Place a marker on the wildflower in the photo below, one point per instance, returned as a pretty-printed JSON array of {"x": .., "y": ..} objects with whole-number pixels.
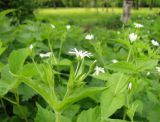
[
  {"x": 148, "y": 73},
  {"x": 118, "y": 32},
  {"x": 137, "y": 25},
  {"x": 31, "y": 47},
  {"x": 52, "y": 26},
  {"x": 80, "y": 54},
  {"x": 130, "y": 86},
  {"x": 155, "y": 43},
  {"x": 158, "y": 69},
  {"x": 89, "y": 37},
  {"x": 98, "y": 70},
  {"x": 114, "y": 61},
  {"x": 132, "y": 37},
  {"x": 44, "y": 55},
  {"x": 68, "y": 27}
]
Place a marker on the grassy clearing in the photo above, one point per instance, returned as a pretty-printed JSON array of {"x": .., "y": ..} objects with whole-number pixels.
[{"x": 90, "y": 16}]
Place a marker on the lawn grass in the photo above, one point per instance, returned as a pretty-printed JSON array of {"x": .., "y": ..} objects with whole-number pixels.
[
  {"x": 87, "y": 12},
  {"x": 103, "y": 18}
]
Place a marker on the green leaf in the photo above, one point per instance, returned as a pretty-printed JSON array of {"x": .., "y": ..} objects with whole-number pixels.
[
  {"x": 2, "y": 49},
  {"x": 65, "y": 62},
  {"x": 26, "y": 92},
  {"x": 7, "y": 81},
  {"x": 17, "y": 59},
  {"x": 71, "y": 111},
  {"x": 117, "y": 82},
  {"x": 135, "y": 106},
  {"x": 113, "y": 98},
  {"x": 115, "y": 120},
  {"x": 29, "y": 70},
  {"x": 81, "y": 93},
  {"x": 21, "y": 111},
  {"x": 44, "y": 115},
  {"x": 143, "y": 65},
  {"x": 125, "y": 67},
  {"x": 110, "y": 103},
  {"x": 42, "y": 89},
  {"x": 91, "y": 115}
]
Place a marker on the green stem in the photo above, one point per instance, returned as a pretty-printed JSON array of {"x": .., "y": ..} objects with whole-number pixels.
[
  {"x": 3, "y": 105},
  {"x": 50, "y": 47},
  {"x": 60, "y": 50},
  {"x": 58, "y": 116},
  {"x": 128, "y": 57},
  {"x": 11, "y": 101},
  {"x": 129, "y": 54},
  {"x": 77, "y": 68},
  {"x": 37, "y": 67},
  {"x": 19, "y": 107}
]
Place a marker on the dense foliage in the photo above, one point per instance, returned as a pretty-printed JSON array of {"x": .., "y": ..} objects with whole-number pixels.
[{"x": 49, "y": 73}]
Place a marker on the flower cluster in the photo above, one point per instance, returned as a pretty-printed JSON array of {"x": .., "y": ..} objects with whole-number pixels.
[
  {"x": 132, "y": 37},
  {"x": 80, "y": 54},
  {"x": 137, "y": 25},
  {"x": 68, "y": 27},
  {"x": 45, "y": 55},
  {"x": 158, "y": 69},
  {"x": 89, "y": 37},
  {"x": 52, "y": 26},
  {"x": 154, "y": 43}
]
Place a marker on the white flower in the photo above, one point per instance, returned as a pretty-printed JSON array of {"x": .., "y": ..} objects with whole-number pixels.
[
  {"x": 98, "y": 70},
  {"x": 52, "y": 26},
  {"x": 137, "y": 25},
  {"x": 114, "y": 61},
  {"x": 45, "y": 55},
  {"x": 31, "y": 47},
  {"x": 80, "y": 54},
  {"x": 158, "y": 69},
  {"x": 89, "y": 37},
  {"x": 132, "y": 37},
  {"x": 68, "y": 27},
  {"x": 118, "y": 32},
  {"x": 148, "y": 73},
  {"x": 130, "y": 86},
  {"x": 155, "y": 43}
]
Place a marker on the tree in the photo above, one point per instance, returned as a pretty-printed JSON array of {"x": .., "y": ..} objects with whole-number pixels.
[{"x": 127, "y": 4}]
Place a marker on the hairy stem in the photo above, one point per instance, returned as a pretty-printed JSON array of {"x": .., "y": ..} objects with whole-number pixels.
[{"x": 58, "y": 117}]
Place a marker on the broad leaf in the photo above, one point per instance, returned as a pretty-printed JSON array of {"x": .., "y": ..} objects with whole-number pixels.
[
  {"x": 17, "y": 59},
  {"x": 7, "y": 81},
  {"x": 91, "y": 115},
  {"x": 113, "y": 98},
  {"x": 44, "y": 115},
  {"x": 110, "y": 103},
  {"x": 125, "y": 67},
  {"x": 81, "y": 93}
]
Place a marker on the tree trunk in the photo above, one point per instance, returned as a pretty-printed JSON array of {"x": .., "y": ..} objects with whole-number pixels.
[
  {"x": 127, "y": 4},
  {"x": 151, "y": 4},
  {"x": 136, "y": 4},
  {"x": 54, "y": 3}
]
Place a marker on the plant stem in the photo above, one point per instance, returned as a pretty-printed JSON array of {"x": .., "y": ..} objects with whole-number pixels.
[
  {"x": 129, "y": 54},
  {"x": 11, "y": 101},
  {"x": 3, "y": 105},
  {"x": 60, "y": 50},
  {"x": 58, "y": 116},
  {"x": 19, "y": 107},
  {"x": 50, "y": 47},
  {"x": 128, "y": 57},
  {"x": 77, "y": 68}
]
